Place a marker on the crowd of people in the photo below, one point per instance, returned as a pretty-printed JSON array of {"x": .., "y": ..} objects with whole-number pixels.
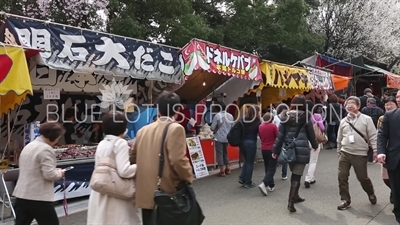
[{"x": 290, "y": 134}]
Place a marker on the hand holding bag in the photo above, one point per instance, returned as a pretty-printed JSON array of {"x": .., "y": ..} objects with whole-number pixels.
[
  {"x": 288, "y": 153},
  {"x": 106, "y": 180},
  {"x": 181, "y": 207}
]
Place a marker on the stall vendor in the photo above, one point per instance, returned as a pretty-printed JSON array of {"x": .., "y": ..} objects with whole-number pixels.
[
  {"x": 95, "y": 135},
  {"x": 184, "y": 120},
  {"x": 68, "y": 123}
]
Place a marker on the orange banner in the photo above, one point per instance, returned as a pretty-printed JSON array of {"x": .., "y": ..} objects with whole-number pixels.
[
  {"x": 340, "y": 82},
  {"x": 392, "y": 81}
]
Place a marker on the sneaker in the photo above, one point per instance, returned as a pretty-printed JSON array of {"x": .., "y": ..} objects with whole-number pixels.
[
  {"x": 271, "y": 189},
  {"x": 284, "y": 178},
  {"x": 344, "y": 205},
  {"x": 263, "y": 189},
  {"x": 372, "y": 199},
  {"x": 241, "y": 182},
  {"x": 248, "y": 186},
  {"x": 307, "y": 184}
]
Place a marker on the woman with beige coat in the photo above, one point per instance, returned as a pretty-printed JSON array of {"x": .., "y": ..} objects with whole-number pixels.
[{"x": 104, "y": 209}]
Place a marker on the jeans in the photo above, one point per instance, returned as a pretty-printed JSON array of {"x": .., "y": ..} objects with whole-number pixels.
[
  {"x": 270, "y": 168},
  {"x": 284, "y": 170},
  {"x": 248, "y": 149},
  {"x": 332, "y": 134}
]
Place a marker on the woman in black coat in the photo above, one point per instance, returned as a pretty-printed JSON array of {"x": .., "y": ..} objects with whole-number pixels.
[{"x": 297, "y": 117}]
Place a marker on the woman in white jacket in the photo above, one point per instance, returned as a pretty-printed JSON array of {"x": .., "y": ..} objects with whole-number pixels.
[{"x": 104, "y": 209}]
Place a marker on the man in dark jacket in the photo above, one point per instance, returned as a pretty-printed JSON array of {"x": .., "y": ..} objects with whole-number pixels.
[
  {"x": 296, "y": 120},
  {"x": 388, "y": 144},
  {"x": 372, "y": 110},
  {"x": 368, "y": 94}
]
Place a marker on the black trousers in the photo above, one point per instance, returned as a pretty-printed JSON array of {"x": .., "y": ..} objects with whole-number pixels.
[
  {"x": 394, "y": 178},
  {"x": 27, "y": 210},
  {"x": 269, "y": 167},
  {"x": 146, "y": 216}
]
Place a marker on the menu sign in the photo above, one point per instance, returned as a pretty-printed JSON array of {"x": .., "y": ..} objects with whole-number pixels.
[
  {"x": 197, "y": 157},
  {"x": 219, "y": 59},
  {"x": 321, "y": 79}
]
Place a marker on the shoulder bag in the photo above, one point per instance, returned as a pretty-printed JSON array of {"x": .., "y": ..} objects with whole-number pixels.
[
  {"x": 106, "y": 180},
  {"x": 370, "y": 149},
  {"x": 319, "y": 135},
  {"x": 288, "y": 152},
  {"x": 180, "y": 207}
]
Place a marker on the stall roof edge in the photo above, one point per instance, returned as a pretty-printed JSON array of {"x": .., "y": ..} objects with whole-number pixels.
[{"x": 200, "y": 40}]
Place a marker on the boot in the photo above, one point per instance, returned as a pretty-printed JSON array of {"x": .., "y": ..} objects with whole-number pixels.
[
  {"x": 292, "y": 196},
  {"x": 298, "y": 198}
]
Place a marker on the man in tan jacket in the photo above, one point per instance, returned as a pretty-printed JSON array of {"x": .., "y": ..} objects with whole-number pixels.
[
  {"x": 146, "y": 150},
  {"x": 356, "y": 132}
]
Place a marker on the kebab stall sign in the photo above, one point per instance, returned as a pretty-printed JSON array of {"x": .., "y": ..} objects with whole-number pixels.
[{"x": 218, "y": 59}]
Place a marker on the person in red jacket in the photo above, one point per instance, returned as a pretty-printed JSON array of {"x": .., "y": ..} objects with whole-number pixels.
[
  {"x": 268, "y": 132},
  {"x": 184, "y": 115}
]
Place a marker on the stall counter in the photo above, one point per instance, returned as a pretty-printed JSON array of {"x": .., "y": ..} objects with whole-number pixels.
[{"x": 208, "y": 146}]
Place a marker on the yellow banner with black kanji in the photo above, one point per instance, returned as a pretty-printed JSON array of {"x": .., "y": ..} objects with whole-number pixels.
[{"x": 286, "y": 77}]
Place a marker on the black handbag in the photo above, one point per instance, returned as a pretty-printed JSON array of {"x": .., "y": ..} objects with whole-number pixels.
[
  {"x": 288, "y": 152},
  {"x": 179, "y": 208}
]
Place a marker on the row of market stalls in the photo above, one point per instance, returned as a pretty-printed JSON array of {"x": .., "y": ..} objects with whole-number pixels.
[
  {"x": 73, "y": 67},
  {"x": 362, "y": 72}
]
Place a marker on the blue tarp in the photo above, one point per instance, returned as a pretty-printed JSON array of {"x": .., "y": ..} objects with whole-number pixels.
[{"x": 334, "y": 61}]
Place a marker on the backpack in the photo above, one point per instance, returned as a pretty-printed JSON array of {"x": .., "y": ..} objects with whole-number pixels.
[{"x": 235, "y": 135}]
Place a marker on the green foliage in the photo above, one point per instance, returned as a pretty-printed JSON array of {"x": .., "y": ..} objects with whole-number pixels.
[{"x": 277, "y": 31}]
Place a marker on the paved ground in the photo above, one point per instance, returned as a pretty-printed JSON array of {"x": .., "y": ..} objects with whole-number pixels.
[{"x": 225, "y": 203}]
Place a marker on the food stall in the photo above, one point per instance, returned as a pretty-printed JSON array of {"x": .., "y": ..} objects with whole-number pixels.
[
  {"x": 281, "y": 82},
  {"x": 206, "y": 66},
  {"x": 76, "y": 69}
]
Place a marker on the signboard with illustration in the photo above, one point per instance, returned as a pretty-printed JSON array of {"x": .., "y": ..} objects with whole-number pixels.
[
  {"x": 320, "y": 79},
  {"x": 286, "y": 77},
  {"x": 88, "y": 52},
  {"x": 197, "y": 157},
  {"x": 218, "y": 59}
]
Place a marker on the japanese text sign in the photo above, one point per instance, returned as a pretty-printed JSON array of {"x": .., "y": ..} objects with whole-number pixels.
[
  {"x": 218, "y": 59},
  {"x": 320, "y": 79},
  {"x": 197, "y": 157},
  {"x": 287, "y": 77},
  {"x": 51, "y": 93},
  {"x": 84, "y": 51}
]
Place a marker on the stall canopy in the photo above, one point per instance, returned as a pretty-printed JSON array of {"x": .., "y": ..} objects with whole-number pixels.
[
  {"x": 323, "y": 61},
  {"x": 87, "y": 52},
  {"x": 392, "y": 80},
  {"x": 281, "y": 82},
  {"x": 202, "y": 62},
  {"x": 15, "y": 83},
  {"x": 235, "y": 88}
]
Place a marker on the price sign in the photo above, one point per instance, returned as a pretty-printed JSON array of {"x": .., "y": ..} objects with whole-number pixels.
[{"x": 51, "y": 93}]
